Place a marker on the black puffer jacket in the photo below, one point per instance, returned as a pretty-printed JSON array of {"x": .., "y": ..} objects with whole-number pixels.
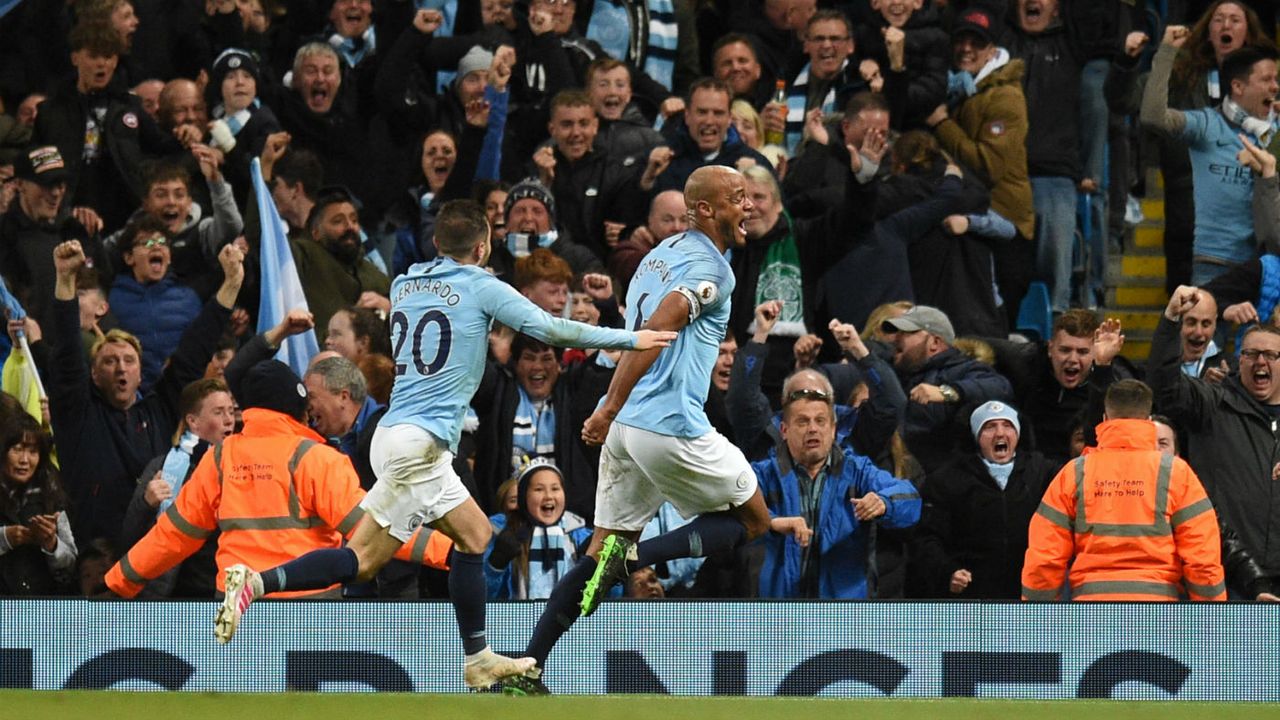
[
  {"x": 927, "y": 56},
  {"x": 969, "y": 523}
]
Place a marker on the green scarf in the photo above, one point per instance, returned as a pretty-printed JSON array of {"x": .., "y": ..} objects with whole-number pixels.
[{"x": 780, "y": 280}]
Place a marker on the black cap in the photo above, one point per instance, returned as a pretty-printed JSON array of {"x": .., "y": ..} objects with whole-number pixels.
[
  {"x": 976, "y": 21},
  {"x": 272, "y": 385},
  {"x": 42, "y": 165}
]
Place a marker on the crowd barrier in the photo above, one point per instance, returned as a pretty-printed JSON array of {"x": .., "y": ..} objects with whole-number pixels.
[{"x": 1009, "y": 650}]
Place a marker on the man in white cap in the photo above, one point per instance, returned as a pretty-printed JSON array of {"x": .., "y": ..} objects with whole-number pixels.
[
  {"x": 941, "y": 383},
  {"x": 973, "y": 532}
]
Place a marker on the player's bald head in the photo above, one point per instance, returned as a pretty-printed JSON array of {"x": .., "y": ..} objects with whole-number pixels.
[{"x": 706, "y": 183}]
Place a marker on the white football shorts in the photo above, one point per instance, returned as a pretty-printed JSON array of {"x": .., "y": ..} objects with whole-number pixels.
[
  {"x": 416, "y": 482},
  {"x": 639, "y": 470}
]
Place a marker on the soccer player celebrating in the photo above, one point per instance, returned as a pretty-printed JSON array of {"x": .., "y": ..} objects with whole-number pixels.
[
  {"x": 440, "y": 316},
  {"x": 658, "y": 443}
]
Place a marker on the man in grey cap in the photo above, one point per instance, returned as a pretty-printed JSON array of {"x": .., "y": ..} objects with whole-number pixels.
[
  {"x": 972, "y": 535},
  {"x": 940, "y": 382}
]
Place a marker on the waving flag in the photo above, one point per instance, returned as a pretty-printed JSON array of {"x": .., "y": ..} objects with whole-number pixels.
[
  {"x": 281, "y": 288},
  {"x": 19, "y": 377},
  {"x": 7, "y": 5}
]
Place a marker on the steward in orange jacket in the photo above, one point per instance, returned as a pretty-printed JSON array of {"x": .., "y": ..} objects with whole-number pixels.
[
  {"x": 1137, "y": 522},
  {"x": 276, "y": 492}
]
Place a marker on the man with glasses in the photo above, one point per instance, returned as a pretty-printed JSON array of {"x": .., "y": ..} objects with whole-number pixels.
[
  {"x": 826, "y": 82},
  {"x": 1230, "y": 427},
  {"x": 195, "y": 237},
  {"x": 147, "y": 299},
  {"x": 823, "y": 499}
]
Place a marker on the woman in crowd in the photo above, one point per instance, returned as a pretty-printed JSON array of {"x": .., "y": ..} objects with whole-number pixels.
[
  {"x": 356, "y": 332},
  {"x": 37, "y": 552}
]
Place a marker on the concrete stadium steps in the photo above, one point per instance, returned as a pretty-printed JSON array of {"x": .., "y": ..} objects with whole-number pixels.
[{"x": 1135, "y": 279}]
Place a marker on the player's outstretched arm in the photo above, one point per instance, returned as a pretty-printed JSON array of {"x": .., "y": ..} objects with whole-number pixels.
[
  {"x": 520, "y": 314},
  {"x": 654, "y": 339},
  {"x": 670, "y": 317}
]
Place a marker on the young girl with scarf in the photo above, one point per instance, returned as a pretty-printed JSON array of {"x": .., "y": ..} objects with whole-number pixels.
[{"x": 535, "y": 544}]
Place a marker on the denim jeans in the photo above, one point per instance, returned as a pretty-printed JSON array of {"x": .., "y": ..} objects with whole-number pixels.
[
  {"x": 1203, "y": 272},
  {"x": 1055, "y": 203},
  {"x": 1093, "y": 150}
]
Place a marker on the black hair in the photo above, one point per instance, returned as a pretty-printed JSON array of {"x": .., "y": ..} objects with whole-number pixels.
[
  {"x": 1238, "y": 65},
  {"x": 301, "y": 166},
  {"x": 42, "y": 494}
]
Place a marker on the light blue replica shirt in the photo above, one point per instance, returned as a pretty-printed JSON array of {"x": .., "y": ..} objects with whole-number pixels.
[
  {"x": 441, "y": 311},
  {"x": 1223, "y": 187},
  {"x": 669, "y": 398}
]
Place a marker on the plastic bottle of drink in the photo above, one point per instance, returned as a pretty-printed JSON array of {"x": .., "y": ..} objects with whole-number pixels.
[{"x": 777, "y": 137}]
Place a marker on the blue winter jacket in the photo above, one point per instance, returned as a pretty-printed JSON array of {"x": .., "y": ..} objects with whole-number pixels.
[
  {"x": 156, "y": 314},
  {"x": 840, "y": 539},
  {"x": 504, "y": 584}
]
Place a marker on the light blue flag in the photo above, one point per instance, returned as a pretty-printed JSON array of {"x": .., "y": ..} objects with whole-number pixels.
[
  {"x": 7, "y": 5},
  {"x": 10, "y": 303},
  {"x": 281, "y": 288},
  {"x": 9, "y": 306}
]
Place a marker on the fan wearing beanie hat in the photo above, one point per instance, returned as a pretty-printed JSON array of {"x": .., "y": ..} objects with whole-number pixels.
[
  {"x": 972, "y": 537},
  {"x": 473, "y": 77},
  {"x": 272, "y": 385},
  {"x": 239, "y": 118},
  {"x": 477, "y": 59},
  {"x": 996, "y": 428},
  {"x": 530, "y": 211},
  {"x": 537, "y": 543}
]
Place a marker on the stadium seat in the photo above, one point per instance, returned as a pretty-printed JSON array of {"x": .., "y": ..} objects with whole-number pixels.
[{"x": 1035, "y": 315}]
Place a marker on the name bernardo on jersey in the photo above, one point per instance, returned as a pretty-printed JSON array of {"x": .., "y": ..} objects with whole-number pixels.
[{"x": 427, "y": 285}]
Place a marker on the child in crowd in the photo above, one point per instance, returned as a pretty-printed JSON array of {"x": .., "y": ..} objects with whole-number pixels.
[{"x": 535, "y": 544}]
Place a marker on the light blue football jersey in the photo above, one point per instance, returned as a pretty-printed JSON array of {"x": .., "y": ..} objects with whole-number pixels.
[
  {"x": 441, "y": 311},
  {"x": 669, "y": 398}
]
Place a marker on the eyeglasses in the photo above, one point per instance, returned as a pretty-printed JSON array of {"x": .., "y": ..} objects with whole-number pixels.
[
  {"x": 820, "y": 395},
  {"x": 1253, "y": 355},
  {"x": 157, "y": 241}
]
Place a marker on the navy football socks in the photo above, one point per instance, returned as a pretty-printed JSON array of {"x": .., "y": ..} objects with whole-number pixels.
[
  {"x": 467, "y": 592},
  {"x": 705, "y": 535},
  {"x": 316, "y": 570},
  {"x": 561, "y": 611}
]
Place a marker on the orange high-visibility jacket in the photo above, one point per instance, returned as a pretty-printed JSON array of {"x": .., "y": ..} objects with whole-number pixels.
[
  {"x": 276, "y": 492},
  {"x": 1137, "y": 522}
]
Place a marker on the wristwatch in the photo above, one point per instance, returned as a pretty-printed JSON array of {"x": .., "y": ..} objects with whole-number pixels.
[{"x": 949, "y": 393}]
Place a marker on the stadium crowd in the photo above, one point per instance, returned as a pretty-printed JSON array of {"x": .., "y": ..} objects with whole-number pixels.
[{"x": 914, "y": 166}]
